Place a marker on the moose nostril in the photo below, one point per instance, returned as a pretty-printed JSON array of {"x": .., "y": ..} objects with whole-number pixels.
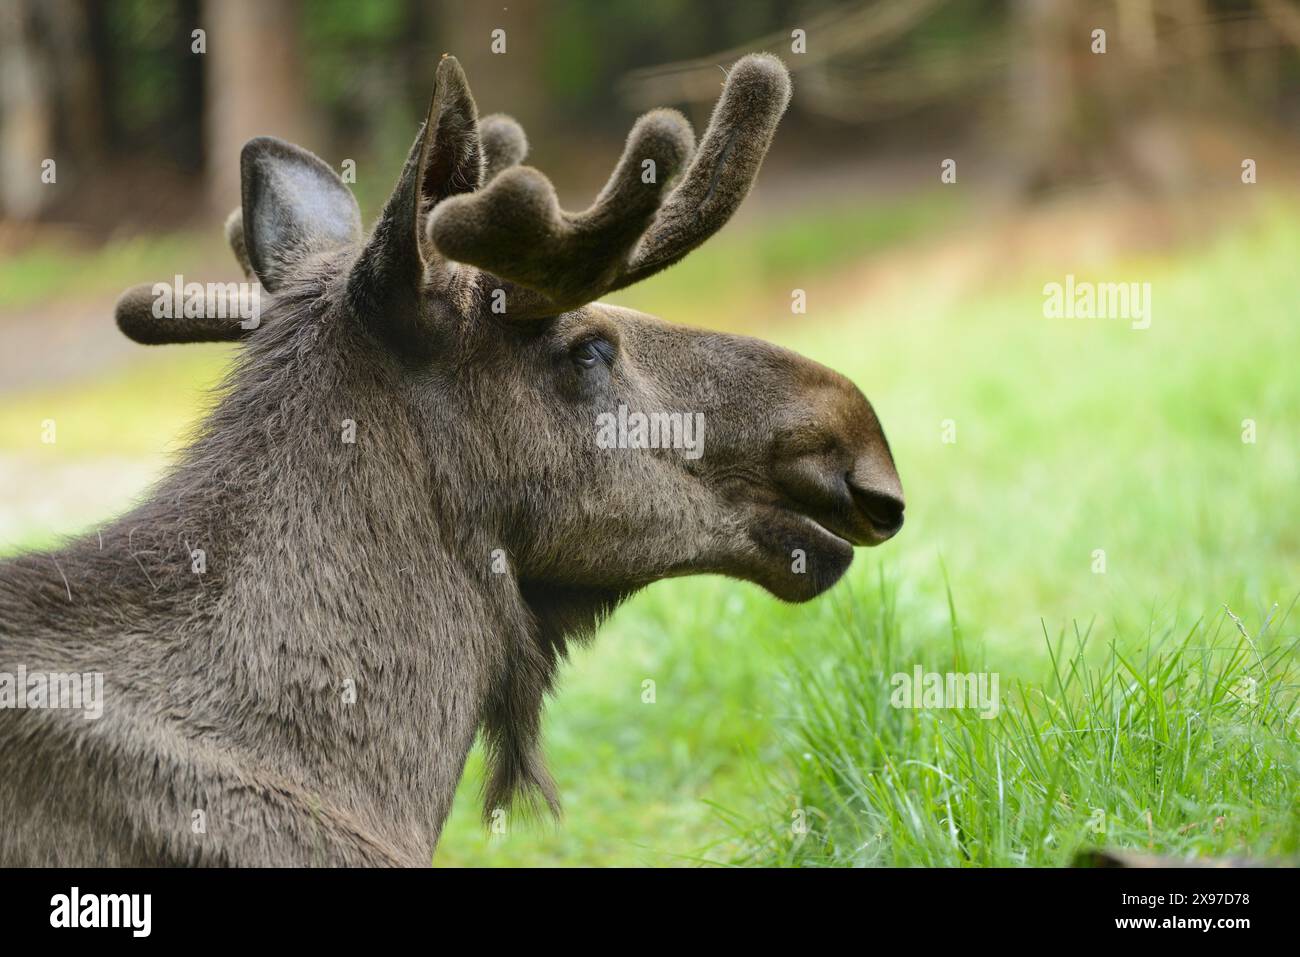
[{"x": 883, "y": 510}]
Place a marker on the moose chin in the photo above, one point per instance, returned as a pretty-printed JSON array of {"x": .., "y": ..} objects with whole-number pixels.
[{"x": 397, "y": 517}]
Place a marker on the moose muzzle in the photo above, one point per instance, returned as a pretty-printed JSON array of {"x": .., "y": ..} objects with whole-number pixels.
[{"x": 836, "y": 468}]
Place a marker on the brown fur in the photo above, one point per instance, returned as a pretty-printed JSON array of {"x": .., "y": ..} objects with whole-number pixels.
[{"x": 380, "y": 563}]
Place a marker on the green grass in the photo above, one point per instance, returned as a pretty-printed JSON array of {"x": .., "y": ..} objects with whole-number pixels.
[
  {"x": 54, "y": 268},
  {"x": 1072, "y": 436},
  {"x": 1181, "y": 742},
  {"x": 114, "y": 435},
  {"x": 1126, "y": 690}
]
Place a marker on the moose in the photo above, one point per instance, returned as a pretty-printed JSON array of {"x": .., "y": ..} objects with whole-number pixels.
[{"x": 436, "y": 566}]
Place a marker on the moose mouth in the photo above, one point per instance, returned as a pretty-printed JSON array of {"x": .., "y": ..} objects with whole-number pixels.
[
  {"x": 860, "y": 527},
  {"x": 799, "y": 555},
  {"x": 805, "y": 547},
  {"x": 820, "y": 530}
]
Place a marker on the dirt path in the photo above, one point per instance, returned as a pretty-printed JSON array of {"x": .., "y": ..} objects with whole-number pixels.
[
  {"x": 58, "y": 343},
  {"x": 45, "y": 499}
]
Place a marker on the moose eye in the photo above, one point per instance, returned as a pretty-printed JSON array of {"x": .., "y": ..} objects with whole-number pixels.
[{"x": 588, "y": 353}]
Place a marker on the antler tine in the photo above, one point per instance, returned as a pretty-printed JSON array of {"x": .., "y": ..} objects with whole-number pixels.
[
  {"x": 740, "y": 131},
  {"x": 135, "y": 317},
  {"x": 504, "y": 144},
  {"x": 515, "y": 229},
  {"x": 135, "y": 307}
]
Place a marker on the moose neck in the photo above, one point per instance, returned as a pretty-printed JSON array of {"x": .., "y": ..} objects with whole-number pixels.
[
  {"x": 316, "y": 599},
  {"x": 317, "y": 594},
  {"x": 361, "y": 623}
]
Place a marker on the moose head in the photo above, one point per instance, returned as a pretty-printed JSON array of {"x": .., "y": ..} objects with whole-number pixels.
[
  {"x": 464, "y": 337},
  {"x": 480, "y": 292}
]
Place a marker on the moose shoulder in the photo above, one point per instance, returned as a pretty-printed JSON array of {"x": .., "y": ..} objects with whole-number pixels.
[{"x": 402, "y": 509}]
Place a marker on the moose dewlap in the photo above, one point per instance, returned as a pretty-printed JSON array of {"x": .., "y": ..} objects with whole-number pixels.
[{"x": 401, "y": 505}]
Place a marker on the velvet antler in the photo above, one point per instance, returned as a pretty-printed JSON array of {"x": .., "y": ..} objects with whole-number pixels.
[
  {"x": 480, "y": 208},
  {"x": 296, "y": 204},
  {"x": 136, "y": 318},
  {"x": 553, "y": 260}
]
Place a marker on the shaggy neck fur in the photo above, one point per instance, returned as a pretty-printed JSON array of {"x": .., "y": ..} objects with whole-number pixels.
[{"x": 333, "y": 570}]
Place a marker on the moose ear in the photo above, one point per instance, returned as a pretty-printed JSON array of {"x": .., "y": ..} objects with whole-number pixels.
[
  {"x": 235, "y": 237},
  {"x": 294, "y": 205},
  {"x": 445, "y": 160},
  {"x": 453, "y": 153}
]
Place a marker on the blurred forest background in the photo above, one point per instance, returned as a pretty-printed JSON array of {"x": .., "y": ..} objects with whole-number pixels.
[
  {"x": 1162, "y": 149},
  {"x": 146, "y": 130}
]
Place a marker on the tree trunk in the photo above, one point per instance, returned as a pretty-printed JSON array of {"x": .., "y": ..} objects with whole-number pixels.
[
  {"x": 255, "y": 85},
  {"x": 26, "y": 115}
]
